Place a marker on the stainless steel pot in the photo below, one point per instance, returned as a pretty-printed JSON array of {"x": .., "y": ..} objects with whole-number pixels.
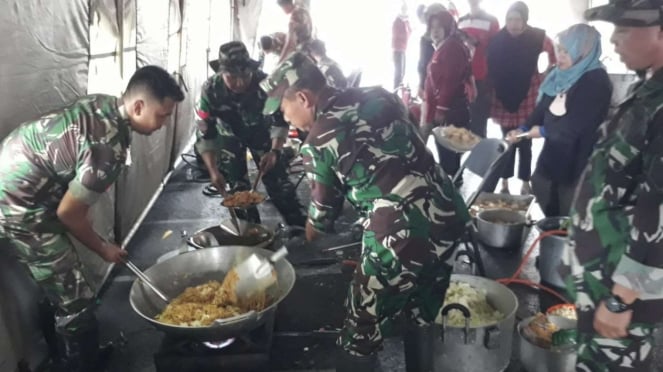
[
  {"x": 255, "y": 235},
  {"x": 176, "y": 274},
  {"x": 445, "y": 348},
  {"x": 537, "y": 359},
  {"x": 501, "y": 228},
  {"x": 552, "y": 249}
]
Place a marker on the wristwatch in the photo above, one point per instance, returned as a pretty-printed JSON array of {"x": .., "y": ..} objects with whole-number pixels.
[{"x": 616, "y": 305}]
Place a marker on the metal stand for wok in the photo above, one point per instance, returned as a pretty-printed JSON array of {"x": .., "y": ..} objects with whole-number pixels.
[
  {"x": 246, "y": 353},
  {"x": 485, "y": 160}
]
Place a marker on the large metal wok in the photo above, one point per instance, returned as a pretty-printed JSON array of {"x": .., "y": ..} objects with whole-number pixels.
[{"x": 189, "y": 269}]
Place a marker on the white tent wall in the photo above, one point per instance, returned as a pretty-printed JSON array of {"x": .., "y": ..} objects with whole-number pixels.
[{"x": 53, "y": 51}]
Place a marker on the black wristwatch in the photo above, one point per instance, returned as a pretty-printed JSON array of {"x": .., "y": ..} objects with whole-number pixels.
[{"x": 616, "y": 305}]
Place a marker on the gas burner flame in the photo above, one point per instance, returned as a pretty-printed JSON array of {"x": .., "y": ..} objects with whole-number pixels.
[{"x": 219, "y": 344}]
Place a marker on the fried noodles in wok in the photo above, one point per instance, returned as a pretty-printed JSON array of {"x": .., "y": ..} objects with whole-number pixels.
[
  {"x": 242, "y": 199},
  {"x": 201, "y": 305}
]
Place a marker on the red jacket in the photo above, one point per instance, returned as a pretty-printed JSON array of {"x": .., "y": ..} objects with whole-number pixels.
[
  {"x": 449, "y": 74},
  {"x": 481, "y": 28},
  {"x": 400, "y": 33}
]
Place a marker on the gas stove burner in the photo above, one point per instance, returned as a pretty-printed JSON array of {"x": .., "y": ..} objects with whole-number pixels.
[{"x": 219, "y": 344}]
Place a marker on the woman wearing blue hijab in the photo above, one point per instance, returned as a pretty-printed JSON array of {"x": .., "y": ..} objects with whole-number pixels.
[{"x": 573, "y": 101}]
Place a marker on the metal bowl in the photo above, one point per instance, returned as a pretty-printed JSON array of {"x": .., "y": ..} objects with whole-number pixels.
[
  {"x": 255, "y": 235},
  {"x": 537, "y": 359},
  {"x": 501, "y": 228},
  {"x": 174, "y": 275}
]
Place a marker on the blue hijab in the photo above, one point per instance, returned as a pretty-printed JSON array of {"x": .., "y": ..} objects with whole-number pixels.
[{"x": 583, "y": 44}]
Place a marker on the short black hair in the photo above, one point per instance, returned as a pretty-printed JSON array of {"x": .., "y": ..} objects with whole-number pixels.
[
  {"x": 318, "y": 47},
  {"x": 285, "y": 2},
  {"x": 266, "y": 42},
  {"x": 157, "y": 82}
]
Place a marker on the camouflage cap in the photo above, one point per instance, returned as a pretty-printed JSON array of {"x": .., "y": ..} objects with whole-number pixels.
[
  {"x": 285, "y": 75},
  {"x": 233, "y": 58},
  {"x": 629, "y": 13}
]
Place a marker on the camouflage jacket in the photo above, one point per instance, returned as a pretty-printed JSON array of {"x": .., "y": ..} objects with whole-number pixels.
[
  {"x": 80, "y": 149},
  {"x": 363, "y": 147},
  {"x": 219, "y": 111},
  {"x": 301, "y": 25},
  {"x": 617, "y": 221},
  {"x": 333, "y": 73}
]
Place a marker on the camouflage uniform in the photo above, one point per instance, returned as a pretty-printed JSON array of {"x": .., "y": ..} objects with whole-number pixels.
[
  {"x": 229, "y": 124},
  {"x": 363, "y": 147},
  {"x": 333, "y": 73},
  {"x": 81, "y": 149},
  {"x": 615, "y": 235},
  {"x": 301, "y": 25}
]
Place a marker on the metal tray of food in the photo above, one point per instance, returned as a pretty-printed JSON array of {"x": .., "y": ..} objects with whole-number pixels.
[
  {"x": 455, "y": 139},
  {"x": 486, "y": 200}
]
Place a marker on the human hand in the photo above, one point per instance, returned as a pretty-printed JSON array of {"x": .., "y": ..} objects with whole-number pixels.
[
  {"x": 112, "y": 253},
  {"x": 311, "y": 232},
  {"x": 216, "y": 178},
  {"x": 268, "y": 161},
  {"x": 512, "y": 136},
  {"x": 612, "y": 325}
]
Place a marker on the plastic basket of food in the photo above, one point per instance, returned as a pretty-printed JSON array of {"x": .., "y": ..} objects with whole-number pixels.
[
  {"x": 455, "y": 138},
  {"x": 488, "y": 201}
]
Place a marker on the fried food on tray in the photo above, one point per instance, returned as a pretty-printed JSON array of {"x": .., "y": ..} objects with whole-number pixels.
[
  {"x": 242, "y": 199},
  {"x": 460, "y": 136},
  {"x": 564, "y": 310},
  {"x": 540, "y": 331},
  {"x": 201, "y": 305}
]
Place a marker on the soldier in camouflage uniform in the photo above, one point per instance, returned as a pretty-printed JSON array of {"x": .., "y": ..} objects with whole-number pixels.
[
  {"x": 230, "y": 121},
  {"x": 361, "y": 146},
  {"x": 615, "y": 264},
  {"x": 329, "y": 68},
  {"x": 300, "y": 28},
  {"x": 52, "y": 170}
]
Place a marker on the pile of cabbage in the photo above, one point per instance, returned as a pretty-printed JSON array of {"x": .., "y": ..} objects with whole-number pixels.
[{"x": 482, "y": 313}]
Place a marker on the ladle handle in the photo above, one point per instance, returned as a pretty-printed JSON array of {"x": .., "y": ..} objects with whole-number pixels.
[
  {"x": 255, "y": 183},
  {"x": 279, "y": 255},
  {"x": 145, "y": 279}
]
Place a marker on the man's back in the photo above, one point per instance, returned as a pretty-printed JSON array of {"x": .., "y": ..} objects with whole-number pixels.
[
  {"x": 366, "y": 136},
  {"x": 81, "y": 148}
]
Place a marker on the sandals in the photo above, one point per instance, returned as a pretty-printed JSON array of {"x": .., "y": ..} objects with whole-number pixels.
[{"x": 210, "y": 190}]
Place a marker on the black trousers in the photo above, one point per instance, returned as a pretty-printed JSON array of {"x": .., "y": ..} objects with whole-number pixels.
[
  {"x": 480, "y": 109},
  {"x": 524, "y": 149},
  {"x": 399, "y": 68}
]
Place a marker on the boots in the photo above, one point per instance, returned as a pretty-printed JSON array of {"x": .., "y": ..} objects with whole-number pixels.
[{"x": 346, "y": 362}]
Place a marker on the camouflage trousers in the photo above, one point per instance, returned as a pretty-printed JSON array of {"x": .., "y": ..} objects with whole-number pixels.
[
  {"x": 54, "y": 265},
  {"x": 405, "y": 268},
  {"x": 600, "y": 354},
  {"x": 233, "y": 166}
]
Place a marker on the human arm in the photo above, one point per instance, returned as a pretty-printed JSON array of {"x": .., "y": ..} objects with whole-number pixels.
[
  {"x": 326, "y": 189},
  {"x": 278, "y": 132},
  {"x": 208, "y": 133},
  {"x": 73, "y": 212},
  {"x": 97, "y": 168}
]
